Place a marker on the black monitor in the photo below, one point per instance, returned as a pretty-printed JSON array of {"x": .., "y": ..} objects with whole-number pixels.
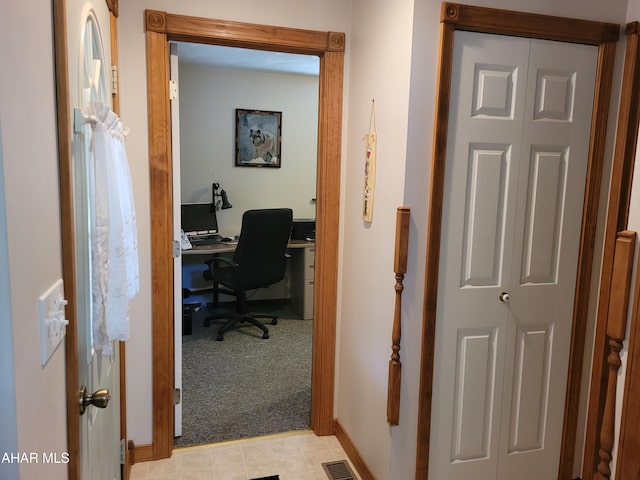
[{"x": 199, "y": 218}]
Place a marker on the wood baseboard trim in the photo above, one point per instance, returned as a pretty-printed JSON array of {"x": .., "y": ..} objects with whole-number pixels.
[
  {"x": 352, "y": 452},
  {"x": 140, "y": 453}
]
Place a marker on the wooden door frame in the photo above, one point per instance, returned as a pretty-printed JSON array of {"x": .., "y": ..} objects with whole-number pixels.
[
  {"x": 617, "y": 220},
  {"x": 160, "y": 28},
  {"x": 487, "y": 20},
  {"x": 67, "y": 223}
]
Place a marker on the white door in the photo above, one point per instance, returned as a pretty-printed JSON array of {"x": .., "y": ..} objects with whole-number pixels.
[
  {"x": 520, "y": 120},
  {"x": 177, "y": 260},
  {"x": 88, "y": 38}
]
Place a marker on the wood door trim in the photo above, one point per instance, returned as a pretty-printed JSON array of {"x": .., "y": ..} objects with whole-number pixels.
[
  {"x": 463, "y": 17},
  {"x": 68, "y": 234},
  {"x": 617, "y": 219},
  {"x": 530, "y": 25},
  {"x": 162, "y": 27},
  {"x": 628, "y": 462}
]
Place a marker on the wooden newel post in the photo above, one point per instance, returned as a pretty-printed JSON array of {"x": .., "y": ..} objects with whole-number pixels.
[
  {"x": 400, "y": 267},
  {"x": 616, "y": 329}
]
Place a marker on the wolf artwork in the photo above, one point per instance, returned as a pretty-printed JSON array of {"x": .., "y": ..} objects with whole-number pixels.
[{"x": 264, "y": 145}]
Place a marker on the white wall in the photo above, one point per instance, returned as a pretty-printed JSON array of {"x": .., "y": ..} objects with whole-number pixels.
[
  {"x": 392, "y": 51},
  {"x": 8, "y": 426},
  {"x": 380, "y": 40},
  {"x": 33, "y": 245},
  {"x": 330, "y": 15},
  {"x": 379, "y": 69},
  {"x": 208, "y": 99}
]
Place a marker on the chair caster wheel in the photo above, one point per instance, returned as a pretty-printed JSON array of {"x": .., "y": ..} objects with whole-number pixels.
[
  {"x": 274, "y": 321},
  {"x": 265, "y": 335},
  {"x": 219, "y": 338}
]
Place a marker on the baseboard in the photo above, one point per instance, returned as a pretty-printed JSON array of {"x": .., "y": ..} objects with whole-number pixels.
[
  {"x": 140, "y": 453},
  {"x": 352, "y": 452}
]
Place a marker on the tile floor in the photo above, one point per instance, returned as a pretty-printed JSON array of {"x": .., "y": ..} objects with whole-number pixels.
[{"x": 293, "y": 456}]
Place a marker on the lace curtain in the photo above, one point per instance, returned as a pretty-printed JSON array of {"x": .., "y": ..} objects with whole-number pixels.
[{"x": 114, "y": 250}]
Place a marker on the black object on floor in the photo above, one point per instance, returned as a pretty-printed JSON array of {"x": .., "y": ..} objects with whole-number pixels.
[{"x": 272, "y": 477}]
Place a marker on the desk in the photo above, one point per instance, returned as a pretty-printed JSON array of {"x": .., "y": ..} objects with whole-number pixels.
[{"x": 302, "y": 270}]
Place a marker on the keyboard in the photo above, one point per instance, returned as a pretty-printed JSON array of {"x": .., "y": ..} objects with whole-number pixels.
[{"x": 205, "y": 240}]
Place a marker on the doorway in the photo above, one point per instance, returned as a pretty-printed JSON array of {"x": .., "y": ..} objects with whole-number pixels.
[
  {"x": 161, "y": 27},
  {"x": 275, "y": 375},
  {"x": 462, "y": 17}
]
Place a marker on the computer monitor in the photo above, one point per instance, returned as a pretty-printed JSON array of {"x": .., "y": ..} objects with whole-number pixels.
[{"x": 199, "y": 218}]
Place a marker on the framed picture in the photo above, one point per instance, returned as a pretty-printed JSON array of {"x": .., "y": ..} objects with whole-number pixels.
[{"x": 258, "y": 136}]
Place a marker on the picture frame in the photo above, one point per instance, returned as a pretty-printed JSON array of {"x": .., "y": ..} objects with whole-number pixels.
[{"x": 258, "y": 138}]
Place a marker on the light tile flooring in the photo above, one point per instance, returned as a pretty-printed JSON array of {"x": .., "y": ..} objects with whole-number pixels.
[{"x": 293, "y": 456}]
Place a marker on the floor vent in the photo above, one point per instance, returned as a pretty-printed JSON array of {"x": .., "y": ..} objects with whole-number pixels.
[{"x": 338, "y": 470}]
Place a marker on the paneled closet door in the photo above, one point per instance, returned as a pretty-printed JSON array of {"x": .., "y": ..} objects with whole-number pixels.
[{"x": 514, "y": 187}]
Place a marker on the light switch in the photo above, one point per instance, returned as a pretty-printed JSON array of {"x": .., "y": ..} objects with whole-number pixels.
[{"x": 52, "y": 319}]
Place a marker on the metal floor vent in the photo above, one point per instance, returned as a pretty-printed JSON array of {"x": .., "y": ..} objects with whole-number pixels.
[{"x": 338, "y": 470}]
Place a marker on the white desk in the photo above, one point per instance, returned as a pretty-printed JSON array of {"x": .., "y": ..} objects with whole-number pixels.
[{"x": 302, "y": 270}]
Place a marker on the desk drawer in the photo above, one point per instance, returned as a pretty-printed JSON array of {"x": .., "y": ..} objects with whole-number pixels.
[
  {"x": 309, "y": 264},
  {"x": 308, "y": 301}
]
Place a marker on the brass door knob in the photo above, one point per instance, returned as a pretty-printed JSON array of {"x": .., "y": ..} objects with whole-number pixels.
[
  {"x": 504, "y": 297},
  {"x": 99, "y": 398}
]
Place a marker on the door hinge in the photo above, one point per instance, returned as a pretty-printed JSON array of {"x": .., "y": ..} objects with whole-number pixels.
[
  {"x": 114, "y": 79},
  {"x": 173, "y": 89},
  {"x": 176, "y": 249},
  {"x": 177, "y": 396},
  {"x": 123, "y": 451}
]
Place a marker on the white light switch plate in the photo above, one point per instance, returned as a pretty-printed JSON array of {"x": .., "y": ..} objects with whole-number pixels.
[{"x": 52, "y": 319}]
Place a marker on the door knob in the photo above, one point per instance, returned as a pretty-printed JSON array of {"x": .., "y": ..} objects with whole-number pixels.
[
  {"x": 99, "y": 398},
  {"x": 504, "y": 297}
]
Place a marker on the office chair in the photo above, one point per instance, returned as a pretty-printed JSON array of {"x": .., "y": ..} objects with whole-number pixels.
[{"x": 258, "y": 261}]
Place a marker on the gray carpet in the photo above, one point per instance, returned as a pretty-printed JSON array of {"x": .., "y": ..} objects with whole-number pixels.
[{"x": 245, "y": 386}]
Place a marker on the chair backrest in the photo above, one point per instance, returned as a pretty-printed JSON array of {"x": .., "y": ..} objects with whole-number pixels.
[{"x": 261, "y": 249}]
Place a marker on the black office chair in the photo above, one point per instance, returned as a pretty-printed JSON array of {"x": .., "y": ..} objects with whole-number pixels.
[{"x": 258, "y": 261}]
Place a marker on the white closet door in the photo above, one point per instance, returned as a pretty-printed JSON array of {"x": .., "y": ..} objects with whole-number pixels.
[
  {"x": 505, "y": 177},
  {"x": 177, "y": 261},
  {"x": 554, "y": 157}
]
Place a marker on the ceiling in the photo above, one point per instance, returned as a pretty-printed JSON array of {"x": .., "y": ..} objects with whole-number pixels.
[{"x": 242, "y": 58}]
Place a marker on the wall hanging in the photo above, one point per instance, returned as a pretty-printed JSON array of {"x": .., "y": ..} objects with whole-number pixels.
[{"x": 258, "y": 138}]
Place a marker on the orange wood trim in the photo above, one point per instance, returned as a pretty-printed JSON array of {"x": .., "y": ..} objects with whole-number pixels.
[
  {"x": 158, "y": 26},
  {"x": 115, "y": 62},
  {"x": 403, "y": 217},
  {"x": 443, "y": 89},
  {"x": 628, "y": 462},
  {"x": 352, "y": 452},
  {"x": 521, "y": 24},
  {"x": 141, "y": 453},
  {"x": 616, "y": 330},
  {"x": 68, "y": 234},
  {"x": 113, "y": 7},
  {"x": 602, "y": 97},
  {"x": 617, "y": 214},
  {"x": 160, "y": 176},
  {"x": 155, "y": 21},
  {"x": 327, "y": 226},
  {"x": 479, "y": 19},
  {"x": 264, "y": 37},
  {"x": 621, "y": 284}
]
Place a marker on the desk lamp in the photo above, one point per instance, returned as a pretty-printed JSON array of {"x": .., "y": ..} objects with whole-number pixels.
[{"x": 224, "y": 199}]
